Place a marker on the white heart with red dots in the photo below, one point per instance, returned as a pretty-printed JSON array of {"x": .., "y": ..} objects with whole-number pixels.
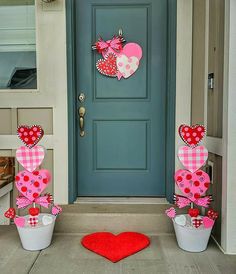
[
  {"x": 31, "y": 185},
  {"x": 127, "y": 65}
]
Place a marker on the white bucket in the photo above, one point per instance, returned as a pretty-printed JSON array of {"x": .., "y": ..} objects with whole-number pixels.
[
  {"x": 38, "y": 237},
  {"x": 190, "y": 238}
]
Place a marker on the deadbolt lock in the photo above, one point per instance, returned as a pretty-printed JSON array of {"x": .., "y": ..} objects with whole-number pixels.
[{"x": 81, "y": 97}]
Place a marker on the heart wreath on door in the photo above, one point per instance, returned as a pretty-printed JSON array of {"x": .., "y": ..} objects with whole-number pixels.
[{"x": 118, "y": 60}]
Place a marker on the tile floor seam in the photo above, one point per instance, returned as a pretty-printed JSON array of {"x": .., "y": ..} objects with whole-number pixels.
[{"x": 31, "y": 267}]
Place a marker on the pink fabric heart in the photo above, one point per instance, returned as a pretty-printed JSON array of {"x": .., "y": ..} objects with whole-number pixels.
[
  {"x": 193, "y": 158},
  {"x": 132, "y": 49},
  {"x": 171, "y": 212},
  {"x": 56, "y": 210},
  {"x": 208, "y": 222},
  {"x": 193, "y": 185},
  {"x": 31, "y": 185},
  {"x": 19, "y": 221},
  {"x": 30, "y": 158}
]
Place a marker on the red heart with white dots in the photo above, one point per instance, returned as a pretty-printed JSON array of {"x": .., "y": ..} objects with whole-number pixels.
[
  {"x": 30, "y": 135},
  {"x": 212, "y": 214},
  {"x": 108, "y": 65},
  {"x": 10, "y": 213},
  {"x": 193, "y": 185},
  {"x": 192, "y": 135},
  {"x": 31, "y": 185}
]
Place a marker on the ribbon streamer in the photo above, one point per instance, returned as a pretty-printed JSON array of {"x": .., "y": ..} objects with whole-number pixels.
[
  {"x": 103, "y": 46},
  {"x": 23, "y": 202},
  {"x": 182, "y": 201}
]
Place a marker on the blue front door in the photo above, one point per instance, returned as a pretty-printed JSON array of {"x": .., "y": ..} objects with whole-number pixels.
[{"x": 123, "y": 151}]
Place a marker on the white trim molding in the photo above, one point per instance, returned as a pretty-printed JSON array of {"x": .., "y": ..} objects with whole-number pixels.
[
  {"x": 183, "y": 68},
  {"x": 12, "y": 142},
  {"x": 229, "y": 132}
]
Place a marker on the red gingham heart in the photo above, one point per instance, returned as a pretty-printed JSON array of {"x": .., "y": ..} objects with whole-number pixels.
[
  {"x": 197, "y": 222},
  {"x": 33, "y": 220},
  {"x": 192, "y": 158},
  {"x": 30, "y": 158}
]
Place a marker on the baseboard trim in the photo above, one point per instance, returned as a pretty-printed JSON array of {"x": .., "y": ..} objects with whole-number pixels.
[
  {"x": 219, "y": 246},
  {"x": 120, "y": 200}
]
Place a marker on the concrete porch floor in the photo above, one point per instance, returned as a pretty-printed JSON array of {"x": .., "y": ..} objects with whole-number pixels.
[{"x": 66, "y": 255}]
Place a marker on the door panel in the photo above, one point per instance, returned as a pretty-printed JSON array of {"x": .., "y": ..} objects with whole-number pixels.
[
  {"x": 123, "y": 150},
  {"x": 121, "y": 16},
  {"x": 110, "y": 140}
]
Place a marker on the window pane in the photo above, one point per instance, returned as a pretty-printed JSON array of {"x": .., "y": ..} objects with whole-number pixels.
[{"x": 17, "y": 45}]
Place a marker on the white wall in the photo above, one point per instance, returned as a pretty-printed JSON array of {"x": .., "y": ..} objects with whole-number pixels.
[
  {"x": 183, "y": 69},
  {"x": 229, "y": 133},
  {"x": 52, "y": 90}
]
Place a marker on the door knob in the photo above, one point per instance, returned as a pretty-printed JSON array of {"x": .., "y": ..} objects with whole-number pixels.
[{"x": 81, "y": 120}]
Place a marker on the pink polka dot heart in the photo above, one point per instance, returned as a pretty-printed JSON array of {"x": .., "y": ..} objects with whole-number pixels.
[
  {"x": 192, "y": 185},
  {"x": 192, "y": 135},
  {"x": 32, "y": 184},
  {"x": 30, "y": 135},
  {"x": 127, "y": 65}
]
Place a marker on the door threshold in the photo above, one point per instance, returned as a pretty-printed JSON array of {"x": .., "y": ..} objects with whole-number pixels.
[{"x": 120, "y": 200}]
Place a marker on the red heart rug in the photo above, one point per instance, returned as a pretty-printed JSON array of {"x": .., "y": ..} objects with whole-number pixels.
[{"x": 115, "y": 247}]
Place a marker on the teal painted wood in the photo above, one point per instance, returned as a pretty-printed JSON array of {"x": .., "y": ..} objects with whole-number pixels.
[
  {"x": 171, "y": 99},
  {"x": 123, "y": 150},
  {"x": 71, "y": 94},
  {"x": 72, "y": 111}
]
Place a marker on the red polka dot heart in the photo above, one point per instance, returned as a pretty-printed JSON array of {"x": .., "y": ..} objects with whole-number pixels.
[
  {"x": 30, "y": 135},
  {"x": 107, "y": 66},
  {"x": 192, "y": 135},
  {"x": 31, "y": 185}
]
